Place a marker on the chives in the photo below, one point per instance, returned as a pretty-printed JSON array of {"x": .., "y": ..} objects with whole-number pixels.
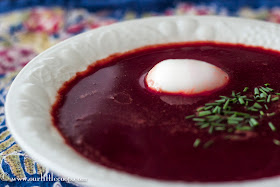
[
  {"x": 276, "y": 142},
  {"x": 218, "y": 124},
  {"x": 253, "y": 109},
  {"x": 224, "y": 97},
  {"x": 268, "y": 98},
  {"x": 233, "y": 122},
  {"x": 208, "y": 107},
  {"x": 249, "y": 99},
  {"x": 190, "y": 116},
  {"x": 220, "y": 101},
  {"x": 226, "y": 104},
  {"x": 256, "y": 90},
  {"x": 244, "y": 128},
  {"x": 272, "y": 126},
  {"x": 212, "y": 104},
  {"x": 209, "y": 143},
  {"x": 271, "y": 114},
  {"x": 262, "y": 96},
  {"x": 270, "y": 89},
  {"x": 254, "y": 121},
  {"x": 204, "y": 113},
  {"x": 213, "y": 118},
  {"x": 241, "y": 101},
  {"x": 257, "y": 105},
  {"x": 215, "y": 110},
  {"x": 204, "y": 126},
  {"x": 210, "y": 131},
  {"x": 241, "y": 114},
  {"x": 236, "y": 118},
  {"x": 275, "y": 99},
  {"x": 263, "y": 91},
  {"x": 196, "y": 142},
  {"x": 238, "y": 112},
  {"x": 219, "y": 110},
  {"x": 266, "y": 107},
  {"x": 199, "y": 119},
  {"x": 199, "y": 109},
  {"x": 220, "y": 128}
]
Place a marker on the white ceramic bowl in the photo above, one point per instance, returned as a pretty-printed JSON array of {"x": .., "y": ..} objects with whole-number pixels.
[{"x": 33, "y": 91}]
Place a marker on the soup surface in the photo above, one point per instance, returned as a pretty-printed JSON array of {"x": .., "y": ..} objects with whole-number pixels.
[{"x": 107, "y": 115}]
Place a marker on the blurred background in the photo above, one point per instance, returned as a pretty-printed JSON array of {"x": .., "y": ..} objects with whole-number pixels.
[{"x": 28, "y": 27}]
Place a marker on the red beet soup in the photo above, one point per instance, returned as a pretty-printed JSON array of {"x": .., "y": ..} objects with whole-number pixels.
[{"x": 107, "y": 115}]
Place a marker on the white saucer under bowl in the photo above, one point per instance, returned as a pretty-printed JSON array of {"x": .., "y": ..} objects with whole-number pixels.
[{"x": 34, "y": 90}]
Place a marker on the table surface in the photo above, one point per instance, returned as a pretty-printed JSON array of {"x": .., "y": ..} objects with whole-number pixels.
[{"x": 27, "y": 32}]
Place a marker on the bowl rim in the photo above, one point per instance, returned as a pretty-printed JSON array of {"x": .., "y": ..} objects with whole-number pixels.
[{"x": 203, "y": 28}]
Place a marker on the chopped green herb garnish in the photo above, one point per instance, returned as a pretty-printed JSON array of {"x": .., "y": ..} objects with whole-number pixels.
[
  {"x": 198, "y": 119},
  {"x": 220, "y": 128},
  {"x": 266, "y": 107},
  {"x": 210, "y": 131},
  {"x": 244, "y": 128},
  {"x": 271, "y": 114},
  {"x": 241, "y": 100},
  {"x": 253, "y": 109},
  {"x": 213, "y": 118},
  {"x": 253, "y": 121},
  {"x": 265, "y": 89},
  {"x": 232, "y": 122},
  {"x": 238, "y": 112},
  {"x": 208, "y": 107},
  {"x": 208, "y": 144},
  {"x": 275, "y": 99},
  {"x": 204, "y": 113},
  {"x": 264, "y": 92},
  {"x": 245, "y": 89},
  {"x": 205, "y": 125},
  {"x": 272, "y": 126},
  {"x": 268, "y": 98},
  {"x": 212, "y": 104},
  {"x": 215, "y": 110},
  {"x": 196, "y": 142},
  {"x": 226, "y": 104},
  {"x": 270, "y": 89},
  {"x": 257, "y": 105},
  {"x": 256, "y": 90},
  {"x": 220, "y": 101},
  {"x": 263, "y": 96},
  {"x": 241, "y": 114},
  {"x": 236, "y": 118},
  {"x": 190, "y": 116},
  {"x": 276, "y": 142},
  {"x": 200, "y": 109}
]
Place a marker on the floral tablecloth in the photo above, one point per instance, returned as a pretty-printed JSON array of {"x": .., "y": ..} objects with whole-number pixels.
[{"x": 25, "y": 33}]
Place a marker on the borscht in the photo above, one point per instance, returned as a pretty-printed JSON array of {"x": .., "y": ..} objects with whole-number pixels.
[{"x": 109, "y": 115}]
